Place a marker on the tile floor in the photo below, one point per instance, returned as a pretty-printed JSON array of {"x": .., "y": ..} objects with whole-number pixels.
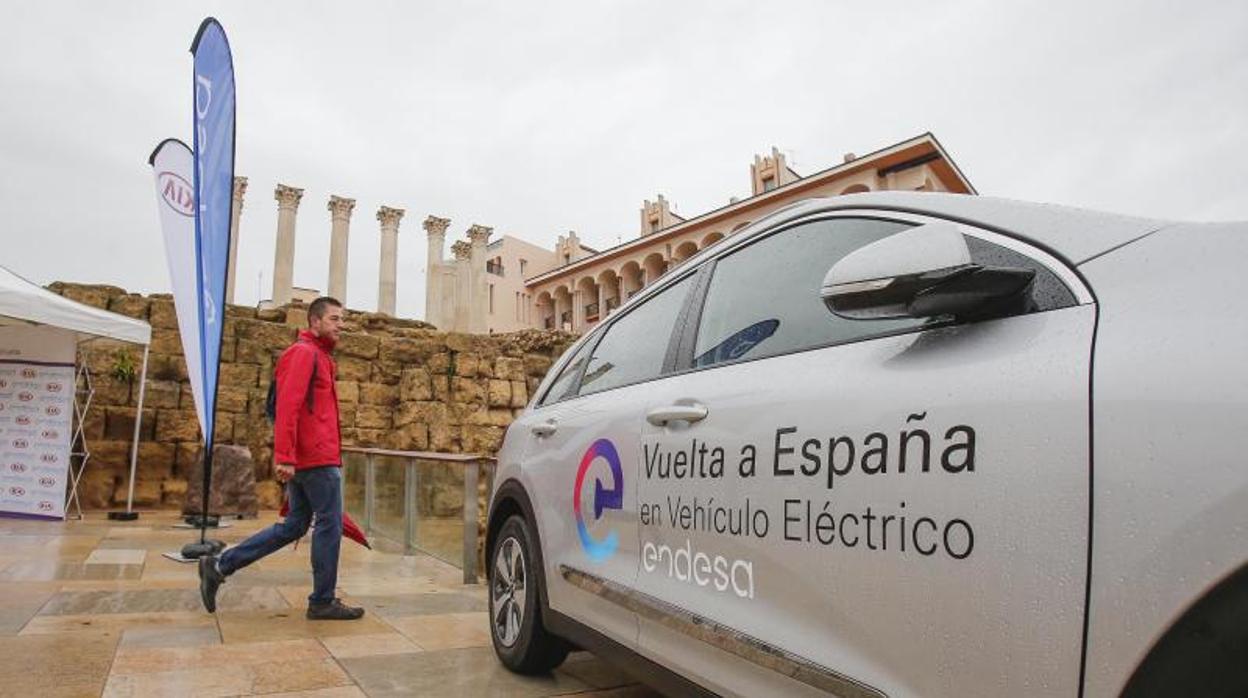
[{"x": 90, "y": 608}]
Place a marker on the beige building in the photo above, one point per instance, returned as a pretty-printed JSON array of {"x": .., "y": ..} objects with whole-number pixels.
[
  {"x": 511, "y": 284},
  {"x": 482, "y": 289}
]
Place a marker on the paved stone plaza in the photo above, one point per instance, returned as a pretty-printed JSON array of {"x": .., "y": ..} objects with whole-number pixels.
[{"x": 91, "y": 608}]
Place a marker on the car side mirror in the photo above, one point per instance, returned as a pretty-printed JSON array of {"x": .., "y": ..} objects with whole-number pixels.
[{"x": 922, "y": 272}]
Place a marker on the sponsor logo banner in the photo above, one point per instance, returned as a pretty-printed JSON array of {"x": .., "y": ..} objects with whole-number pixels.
[{"x": 35, "y": 420}]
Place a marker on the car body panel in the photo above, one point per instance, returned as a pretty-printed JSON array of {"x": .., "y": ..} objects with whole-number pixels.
[
  {"x": 1171, "y": 403},
  {"x": 549, "y": 469},
  {"x": 1005, "y": 620}
]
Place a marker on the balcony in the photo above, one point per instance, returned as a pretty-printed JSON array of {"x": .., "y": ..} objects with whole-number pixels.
[
  {"x": 495, "y": 268},
  {"x": 591, "y": 312}
]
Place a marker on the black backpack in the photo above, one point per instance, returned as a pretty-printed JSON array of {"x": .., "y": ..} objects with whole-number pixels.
[{"x": 270, "y": 402}]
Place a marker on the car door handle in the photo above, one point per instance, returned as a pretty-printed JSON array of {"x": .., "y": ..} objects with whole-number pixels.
[
  {"x": 546, "y": 428},
  {"x": 660, "y": 416}
]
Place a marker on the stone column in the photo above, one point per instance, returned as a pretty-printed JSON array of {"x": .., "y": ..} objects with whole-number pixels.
[
  {"x": 602, "y": 301},
  {"x": 435, "y": 231},
  {"x": 478, "y": 238},
  {"x": 459, "y": 317},
  {"x": 236, "y": 211},
  {"x": 339, "y": 229},
  {"x": 284, "y": 255},
  {"x": 559, "y": 301},
  {"x": 578, "y": 309},
  {"x": 387, "y": 288}
]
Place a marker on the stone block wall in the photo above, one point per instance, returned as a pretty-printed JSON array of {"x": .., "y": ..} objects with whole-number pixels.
[{"x": 401, "y": 384}]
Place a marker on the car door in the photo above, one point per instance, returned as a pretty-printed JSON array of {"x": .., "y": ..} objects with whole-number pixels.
[
  {"x": 887, "y": 507},
  {"x": 581, "y": 457}
]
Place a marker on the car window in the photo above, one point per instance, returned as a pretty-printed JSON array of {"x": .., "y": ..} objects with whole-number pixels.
[
  {"x": 634, "y": 346},
  {"x": 563, "y": 384},
  {"x": 764, "y": 299}
]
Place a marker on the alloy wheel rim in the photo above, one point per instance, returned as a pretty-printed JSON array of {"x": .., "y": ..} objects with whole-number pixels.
[{"x": 508, "y": 592}]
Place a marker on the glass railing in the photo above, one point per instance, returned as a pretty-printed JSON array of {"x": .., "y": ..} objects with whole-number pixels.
[{"x": 420, "y": 502}]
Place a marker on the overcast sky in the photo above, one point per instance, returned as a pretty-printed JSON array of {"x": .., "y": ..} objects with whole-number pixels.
[{"x": 539, "y": 118}]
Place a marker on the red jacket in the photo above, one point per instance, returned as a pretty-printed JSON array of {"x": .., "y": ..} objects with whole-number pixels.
[{"x": 301, "y": 437}]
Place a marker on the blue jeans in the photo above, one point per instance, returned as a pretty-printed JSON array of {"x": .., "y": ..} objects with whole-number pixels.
[{"x": 312, "y": 491}]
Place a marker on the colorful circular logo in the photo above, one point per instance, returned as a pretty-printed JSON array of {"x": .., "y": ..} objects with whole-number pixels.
[{"x": 599, "y": 550}]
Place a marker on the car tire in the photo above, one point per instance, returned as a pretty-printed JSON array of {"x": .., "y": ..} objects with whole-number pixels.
[
  {"x": 1203, "y": 653},
  {"x": 520, "y": 640}
]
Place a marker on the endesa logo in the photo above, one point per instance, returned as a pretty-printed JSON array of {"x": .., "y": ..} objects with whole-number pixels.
[{"x": 599, "y": 550}]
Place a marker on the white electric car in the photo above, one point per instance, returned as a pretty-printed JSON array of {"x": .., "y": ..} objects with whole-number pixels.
[{"x": 897, "y": 445}]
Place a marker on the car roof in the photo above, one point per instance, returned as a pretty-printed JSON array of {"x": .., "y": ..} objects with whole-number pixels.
[{"x": 1072, "y": 233}]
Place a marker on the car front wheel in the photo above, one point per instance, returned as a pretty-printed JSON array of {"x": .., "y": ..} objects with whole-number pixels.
[{"x": 520, "y": 640}]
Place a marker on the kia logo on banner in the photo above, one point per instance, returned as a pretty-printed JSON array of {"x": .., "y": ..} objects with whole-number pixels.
[
  {"x": 52, "y": 410},
  {"x": 50, "y": 434},
  {"x": 17, "y": 467},
  {"x": 45, "y": 505},
  {"x": 48, "y": 458},
  {"x": 3, "y": 384},
  {"x": 20, "y": 443},
  {"x": 17, "y": 491},
  {"x": 22, "y": 420},
  {"x": 25, "y": 396},
  {"x": 177, "y": 193},
  {"x": 54, "y": 387},
  {"x": 29, "y": 373},
  {"x": 47, "y": 482}
]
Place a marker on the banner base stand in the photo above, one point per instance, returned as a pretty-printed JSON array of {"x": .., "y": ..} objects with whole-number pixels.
[
  {"x": 123, "y": 516},
  {"x": 194, "y": 551}
]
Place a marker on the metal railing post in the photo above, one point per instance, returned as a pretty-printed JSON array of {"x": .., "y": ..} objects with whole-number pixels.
[
  {"x": 471, "y": 470},
  {"x": 370, "y": 491},
  {"x": 409, "y": 507}
]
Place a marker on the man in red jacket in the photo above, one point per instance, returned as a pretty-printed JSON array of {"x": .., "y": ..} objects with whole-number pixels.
[{"x": 307, "y": 453}]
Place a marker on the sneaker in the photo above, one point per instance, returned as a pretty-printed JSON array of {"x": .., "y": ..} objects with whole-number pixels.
[
  {"x": 210, "y": 580},
  {"x": 334, "y": 610}
]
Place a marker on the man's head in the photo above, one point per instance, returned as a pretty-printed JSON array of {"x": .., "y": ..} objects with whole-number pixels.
[{"x": 325, "y": 318}]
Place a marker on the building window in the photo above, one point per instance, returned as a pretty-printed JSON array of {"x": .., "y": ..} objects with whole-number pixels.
[
  {"x": 567, "y": 259},
  {"x": 769, "y": 183},
  {"x": 491, "y": 299},
  {"x": 495, "y": 266},
  {"x": 523, "y": 263}
]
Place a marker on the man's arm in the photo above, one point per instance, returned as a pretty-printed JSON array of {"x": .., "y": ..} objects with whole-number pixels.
[{"x": 294, "y": 372}]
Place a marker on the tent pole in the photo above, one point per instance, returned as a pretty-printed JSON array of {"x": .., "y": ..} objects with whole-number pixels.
[{"x": 138, "y": 421}]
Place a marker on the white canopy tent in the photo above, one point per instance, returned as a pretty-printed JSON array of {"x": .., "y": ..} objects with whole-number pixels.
[{"x": 24, "y": 303}]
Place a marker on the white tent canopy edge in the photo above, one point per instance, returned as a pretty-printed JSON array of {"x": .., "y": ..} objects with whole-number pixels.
[{"x": 28, "y": 303}]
